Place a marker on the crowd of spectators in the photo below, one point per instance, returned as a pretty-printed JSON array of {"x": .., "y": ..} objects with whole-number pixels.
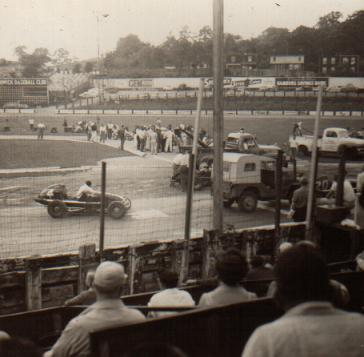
[{"x": 313, "y": 323}]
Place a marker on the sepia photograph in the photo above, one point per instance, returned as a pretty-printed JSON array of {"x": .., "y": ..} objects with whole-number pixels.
[{"x": 181, "y": 178}]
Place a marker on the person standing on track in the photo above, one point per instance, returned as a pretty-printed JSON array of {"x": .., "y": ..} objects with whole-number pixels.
[
  {"x": 121, "y": 136},
  {"x": 169, "y": 135}
]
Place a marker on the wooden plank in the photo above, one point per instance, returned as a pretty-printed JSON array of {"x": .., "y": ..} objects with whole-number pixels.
[{"x": 60, "y": 275}]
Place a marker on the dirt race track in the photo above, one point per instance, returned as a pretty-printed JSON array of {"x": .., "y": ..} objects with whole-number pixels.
[{"x": 158, "y": 210}]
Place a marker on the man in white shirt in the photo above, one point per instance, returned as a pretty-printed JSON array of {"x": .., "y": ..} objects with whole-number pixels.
[
  {"x": 348, "y": 192},
  {"x": 170, "y": 295},
  {"x": 360, "y": 181},
  {"x": 86, "y": 190},
  {"x": 311, "y": 326}
]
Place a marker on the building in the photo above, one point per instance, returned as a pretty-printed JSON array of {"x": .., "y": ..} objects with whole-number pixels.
[
  {"x": 287, "y": 64},
  {"x": 337, "y": 65},
  {"x": 29, "y": 91}
]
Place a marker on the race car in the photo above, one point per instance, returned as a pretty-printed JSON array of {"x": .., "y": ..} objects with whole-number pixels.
[{"x": 60, "y": 205}]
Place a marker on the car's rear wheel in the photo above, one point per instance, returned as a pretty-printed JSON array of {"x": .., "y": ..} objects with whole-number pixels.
[
  {"x": 248, "y": 201},
  {"x": 57, "y": 209},
  {"x": 116, "y": 210}
]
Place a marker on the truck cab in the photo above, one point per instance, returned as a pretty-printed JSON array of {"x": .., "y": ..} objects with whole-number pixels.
[{"x": 248, "y": 178}]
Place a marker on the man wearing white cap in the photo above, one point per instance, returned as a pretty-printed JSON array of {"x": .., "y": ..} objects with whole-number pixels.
[{"x": 108, "y": 310}]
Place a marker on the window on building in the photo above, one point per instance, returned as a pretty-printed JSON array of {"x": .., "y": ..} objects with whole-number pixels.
[
  {"x": 333, "y": 60},
  {"x": 345, "y": 60},
  {"x": 333, "y": 69},
  {"x": 352, "y": 68},
  {"x": 324, "y": 69},
  {"x": 250, "y": 58},
  {"x": 233, "y": 59},
  {"x": 250, "y": 166},
  {"x": 352, "y": 60},
  {"x": 324, "y": 60}
]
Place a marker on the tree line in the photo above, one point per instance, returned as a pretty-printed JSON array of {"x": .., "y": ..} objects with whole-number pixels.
[{"x": 331, "y": 35}]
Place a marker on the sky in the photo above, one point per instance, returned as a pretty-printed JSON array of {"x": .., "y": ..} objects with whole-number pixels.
[{"x": 73, "y": 25}]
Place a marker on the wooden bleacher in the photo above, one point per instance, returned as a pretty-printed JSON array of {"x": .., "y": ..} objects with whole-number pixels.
[
  {"x": 216, "y": 331},
  {"x": 44, "y": 326}
]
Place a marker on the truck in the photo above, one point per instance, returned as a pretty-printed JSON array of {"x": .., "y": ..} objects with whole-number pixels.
[
  {"x": 333, "y": 141},
  {"x": 248, "y": 178}
]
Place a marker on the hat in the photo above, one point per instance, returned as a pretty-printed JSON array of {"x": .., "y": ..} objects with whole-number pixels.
[
  {"x": 360, "y": 261},
  {"x": 242, "y": 129},
  {"x": 109, "y": 275},
  {"x": 284, "y": 246}
]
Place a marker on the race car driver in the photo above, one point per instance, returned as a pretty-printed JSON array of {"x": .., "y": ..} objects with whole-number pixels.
[{"x": 86, "y": 191}]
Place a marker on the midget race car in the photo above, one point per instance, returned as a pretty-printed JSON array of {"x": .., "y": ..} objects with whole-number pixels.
[{"x": 59, "y": 204}]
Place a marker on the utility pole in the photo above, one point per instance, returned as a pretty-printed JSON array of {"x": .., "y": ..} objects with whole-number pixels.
[{"x": 218, "y": 116}]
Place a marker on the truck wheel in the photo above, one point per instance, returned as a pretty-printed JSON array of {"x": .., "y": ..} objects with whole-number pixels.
[
  {"x": 228, "y": 203},
  {"x": 116, "y": 210},
  {"x": 302, "y": 150},
  {"x": 57, "y": 209},
  {"x": 248, "y": 201}
]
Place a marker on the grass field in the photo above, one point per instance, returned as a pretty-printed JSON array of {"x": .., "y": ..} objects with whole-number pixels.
[{"x": 46, "y": 153}]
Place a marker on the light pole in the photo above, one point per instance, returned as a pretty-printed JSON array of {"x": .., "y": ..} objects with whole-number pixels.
[{"x": 98, "y": 17}]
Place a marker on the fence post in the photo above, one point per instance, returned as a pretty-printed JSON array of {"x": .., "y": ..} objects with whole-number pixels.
[
  {"x": 131, "y": 268},
  {"x": 208, "y": 236},
  {"x": 33, "y": 283},
  {"x": 87, "y": 256}
]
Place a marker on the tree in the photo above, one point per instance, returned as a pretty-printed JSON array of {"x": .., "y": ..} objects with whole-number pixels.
[
  {"x": 33, "y": 64},
  {"x": 89, "y": 67},
  {"x": 76, "y": 68}
]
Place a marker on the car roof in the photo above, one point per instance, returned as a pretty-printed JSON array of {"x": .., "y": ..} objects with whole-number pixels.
[
  {"x": 235, "y": 157},
  {"x": 236, "y": 135}
]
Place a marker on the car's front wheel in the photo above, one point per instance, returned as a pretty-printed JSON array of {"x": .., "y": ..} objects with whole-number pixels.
[
  {"x": 248, "y": 201},
  {"x": 116, "y": 210},
  {"x": 57, "y": 209}
]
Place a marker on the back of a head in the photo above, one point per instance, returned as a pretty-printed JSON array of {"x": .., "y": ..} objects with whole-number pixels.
[
  {"x": 168, "y": 278},
  {"x": 88, "y": 183},
  {"x": 14, "y": 347},
  {"x": 109, "y": 278},
  {"x": 257, "y": 261},
  {"x": 301, "y": 275},
  {"x": 231, "y": 266}
]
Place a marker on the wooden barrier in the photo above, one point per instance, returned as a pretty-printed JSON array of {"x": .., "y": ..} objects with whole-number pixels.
[{"x": 217, "y": 331}]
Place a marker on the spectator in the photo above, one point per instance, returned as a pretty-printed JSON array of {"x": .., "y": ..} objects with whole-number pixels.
[
  {"x": 231, "y": 268},
  {"x": 360, "y": 181},
  {"x": 107, "y": 311},
  {"x": 153, "y": 141},
  {"x": 170, "y": 295},
  {"x": 169, "y": 136},
  {"x": 41, "y": 129},
  {"x": 258, "y": 271},
  {"x": 103, "y": 133},
  {"x": 31, "y": 124},
  {"x": 87, "y": 297},
  {"x": 360, "y": 261},
  {"x": 311, "y": 325},
  {"x": 299, "y": 202},
  {"x": 348, "y": 192},
  {"x": 121, "y": 136},
  {"x": 16, "y": 347}
]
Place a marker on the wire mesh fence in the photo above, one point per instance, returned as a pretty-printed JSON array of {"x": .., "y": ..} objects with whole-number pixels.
[{"x": 157, "y": 208}]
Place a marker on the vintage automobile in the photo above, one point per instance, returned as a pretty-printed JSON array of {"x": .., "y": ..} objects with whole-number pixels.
[
  {"x": 248, "y": 178},
  {"x": 250, "y": 145},
  {"x": 60, "y": 204}
]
